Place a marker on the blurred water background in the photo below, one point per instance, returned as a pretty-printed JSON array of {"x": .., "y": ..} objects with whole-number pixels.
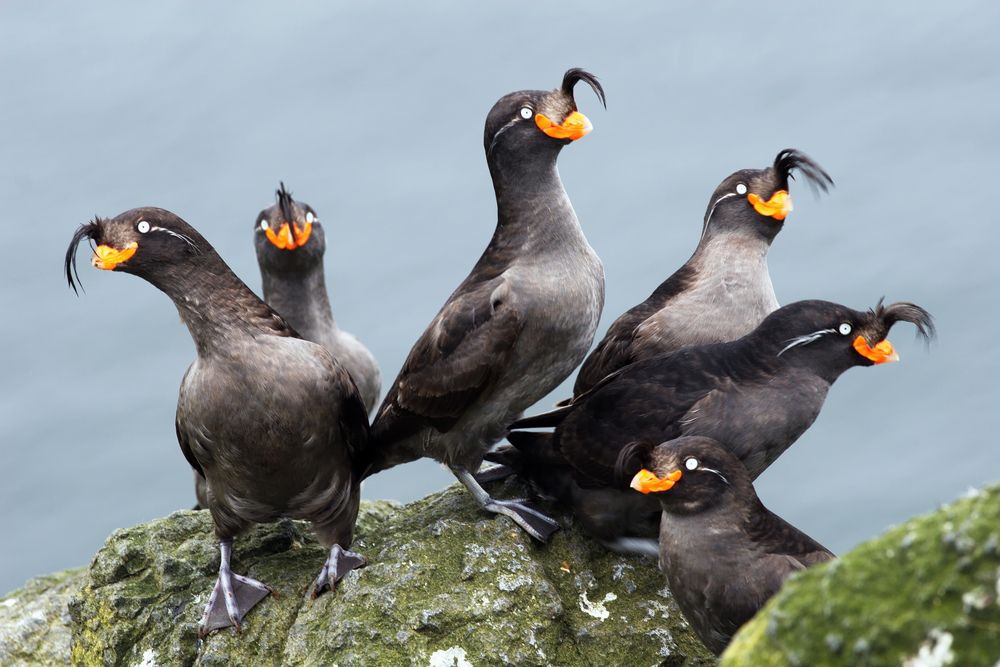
[{"x": 373, "y": 114}]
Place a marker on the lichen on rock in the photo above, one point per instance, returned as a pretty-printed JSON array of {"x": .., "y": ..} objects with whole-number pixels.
[
  {"x": 446, "y": 585},
  {"x": 924, "y": 594}
]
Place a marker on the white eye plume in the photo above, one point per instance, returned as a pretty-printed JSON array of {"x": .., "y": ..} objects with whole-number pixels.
[
  {"x": 741, "y": 189},
  {"x": 805, "y": 340},
  {"x": 310, "y": 218},
  {"x": 143, "y": 226},
  {"x": 264, "y": 225},
  {"x": 845, "y": 329},
  {"x": 691, "y": 463},
  {"x": 526, "y": 113}
]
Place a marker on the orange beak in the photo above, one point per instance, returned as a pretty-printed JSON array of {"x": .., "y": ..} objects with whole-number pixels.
[
  {"x": 647, "y": 482},
  {"x": 574, "y": 127},
  {"x": 107, "y": 258},
  {"x": 882, "y": 353},
  {"x": 289, "y": 237},
  {"x": 777, "y": 207}
]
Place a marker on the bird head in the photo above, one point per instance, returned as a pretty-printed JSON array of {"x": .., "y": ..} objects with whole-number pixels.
[
  {"x": 830, "y": 338},
  {"x": 757, "y": 201},
  {"x": 687, "y": 474},
  {"x": 288, "y": 235},
  {"x": 540, "y": 122},
  {"x": 151, "y": 243}
]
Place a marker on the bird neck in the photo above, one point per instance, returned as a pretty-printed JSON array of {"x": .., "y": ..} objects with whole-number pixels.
[
  {"x": 533, "y": 208},
  {"x": 215, "y": 305},
  {"x": 732, "y": 247},
  {"x": 300, "y": 297}
]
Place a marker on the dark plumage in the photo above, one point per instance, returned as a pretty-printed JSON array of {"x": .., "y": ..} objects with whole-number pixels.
[
  {"x": 723, "y": 552},
  {"x": 755, "y": 395},
  {"x": 294, "y": 286},
  {"x": 724, "y": 290},
  {"x": 519, "y": 323},
  {"x": 272, "y": 422}
]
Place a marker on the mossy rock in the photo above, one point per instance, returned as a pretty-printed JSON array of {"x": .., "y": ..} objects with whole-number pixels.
[
  {"x": 924, "y": 594},
  {"x": 446, "y": 585}
]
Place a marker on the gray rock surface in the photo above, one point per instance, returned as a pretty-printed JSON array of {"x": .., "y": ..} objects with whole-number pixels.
[{"x": 447, "y": 585}]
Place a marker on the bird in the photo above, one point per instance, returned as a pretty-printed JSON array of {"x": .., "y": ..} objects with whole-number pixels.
[
  {"x": 724, "y": 290},
  {"x": 290, "y": 243},
  {"x": 273, "y": 422},
  {"x": 723, "y": 553},
  {"x": 755, "y": 395},
  {"x": 520, "y": 322}
]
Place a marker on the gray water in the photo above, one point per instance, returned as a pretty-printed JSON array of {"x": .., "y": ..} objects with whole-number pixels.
[{"x": 374, "y": 116}]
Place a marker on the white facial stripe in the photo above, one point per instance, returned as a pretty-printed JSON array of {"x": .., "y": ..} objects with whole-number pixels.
[
  {"x": 174, "y": 234},
  {"x": 499, "y": 132},
  {"x": 713, "y": 470},
  {"x": 805, "y": 340},
  {"x": 714, "y": 204}
]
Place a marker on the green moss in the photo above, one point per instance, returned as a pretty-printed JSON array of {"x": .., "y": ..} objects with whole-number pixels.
[
  {"x": 444, "y": 580},
  {"x": 929, "y": 585}
]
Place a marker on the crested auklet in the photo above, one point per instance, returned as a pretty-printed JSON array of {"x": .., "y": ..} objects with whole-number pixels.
[
  {"x": 271, "y": 421},
  {"x": 519, "y": 323}
]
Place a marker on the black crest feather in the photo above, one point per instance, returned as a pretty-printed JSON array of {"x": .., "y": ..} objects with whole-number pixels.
[
  {"x": 790, "y": 159},
  {"x": 904, "y": 311},
  {"x": 285, "y": 202},
  {"x": 88, "y": 230},
  {"x": 576, "y": 74},
  {"x": 631, "y": 458}
]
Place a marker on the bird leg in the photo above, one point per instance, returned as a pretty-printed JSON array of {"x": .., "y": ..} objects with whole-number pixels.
[
  {"x": 532, "y": 521},
  {"x": 641, "y": 546},
  {"x": 340, "y": 562},
  {"x": 239, "y": 595}
]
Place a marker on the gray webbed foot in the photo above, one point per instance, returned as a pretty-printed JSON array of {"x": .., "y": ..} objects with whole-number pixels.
[
  {"x": 531, "y": 520},
  {"x": 232, "y": 598},
  {"x": 340, "y": 562}
]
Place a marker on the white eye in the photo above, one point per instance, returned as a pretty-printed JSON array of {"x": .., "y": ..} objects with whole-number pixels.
[
  {"x": 691, "y": 463},
  {"x": 844, "y": 329},
  {"x": 526, "y": 112},
  {"x": 263, "y": 224},
  {"x": 741, "y": 189},
  {"x": 143, "y": 226},
  {"x": 310, "y": 217}
]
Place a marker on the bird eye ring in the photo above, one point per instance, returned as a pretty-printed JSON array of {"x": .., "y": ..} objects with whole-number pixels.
[
  {"x": 263, "y": 224},
  {"x": 143, "y": 226},
  {"x": 310, "y": 217},
  {"x": 526, "y": 112},
  {"x": 741, "y": 188},
  {"x": 845, "y": 329},
  {"x": 691, "y": 463}
]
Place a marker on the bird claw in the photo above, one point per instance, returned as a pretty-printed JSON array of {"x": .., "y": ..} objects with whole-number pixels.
[
  {"x": 531, "y": 520},
  {"x": 232, "y": 598},
  {"x": 339, "y": 563}
]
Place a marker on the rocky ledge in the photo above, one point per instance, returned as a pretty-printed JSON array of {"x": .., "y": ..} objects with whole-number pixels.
[
  {"x": 924, "y": 594},
  {"x": 447, "y": 585}
]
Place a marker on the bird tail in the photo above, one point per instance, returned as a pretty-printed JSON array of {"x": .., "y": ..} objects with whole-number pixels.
[
  {"x": 549, "y": 419},
  {"x": 534, "y": 458}
]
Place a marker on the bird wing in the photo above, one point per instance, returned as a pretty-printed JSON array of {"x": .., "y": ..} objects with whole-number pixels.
[
  {"x": 182, "y": 440},
  {"x": 781, "y": 540},
  {"x": 456, "y": 360},
  {"x": 644, "y": 402},
  {"x": 619, "y": 346}
]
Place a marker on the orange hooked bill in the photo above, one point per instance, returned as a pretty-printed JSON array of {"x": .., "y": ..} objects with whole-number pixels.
[
  {"x": 289, "y": 237},
  {"x": 107, "y": 258},
  {"x": 575, "y": 126},
  {"x": 646, "y": 481},
  {"x": 777, "y": 207},
  {"x": 882, "y": 353}
]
